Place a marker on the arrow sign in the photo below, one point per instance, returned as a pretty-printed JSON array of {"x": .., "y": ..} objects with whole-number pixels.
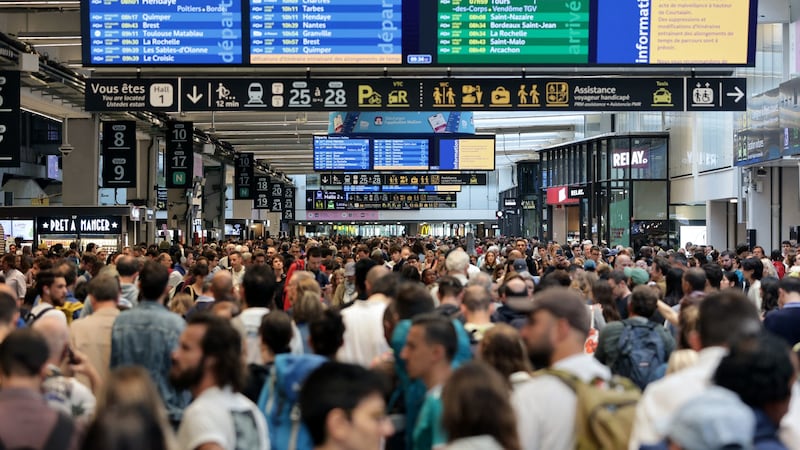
[
  {"x": 738, "y": 94},
  {"x": 195, "y": 96}
]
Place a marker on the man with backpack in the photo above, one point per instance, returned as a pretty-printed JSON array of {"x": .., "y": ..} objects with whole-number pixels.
[
  {"x": 636, "y": 348},
  {"x": 553, "y": 408}
]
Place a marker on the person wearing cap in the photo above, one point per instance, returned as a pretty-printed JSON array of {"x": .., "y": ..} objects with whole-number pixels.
[
  {"x": 515, "y": 302},
  {"x": 346, "y": 291},
  {"x": 716, "y": 419},
  {"x": 557, "y": 327}
]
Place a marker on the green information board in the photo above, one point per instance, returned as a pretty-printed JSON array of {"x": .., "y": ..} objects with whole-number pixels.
[{"x": 513, "y": 31}]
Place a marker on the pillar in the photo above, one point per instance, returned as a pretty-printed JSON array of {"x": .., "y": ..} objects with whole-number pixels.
[{"x": 81, "y": 167}]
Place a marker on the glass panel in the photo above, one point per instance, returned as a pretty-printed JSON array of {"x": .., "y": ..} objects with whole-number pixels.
[
  {"x": 648, "y": 158},
  {"x": 621, "y": 161},
  {"x": 603, "y": 172},
  {"x": 619, "y": 214},
  {"x": 650, "y": 200}
]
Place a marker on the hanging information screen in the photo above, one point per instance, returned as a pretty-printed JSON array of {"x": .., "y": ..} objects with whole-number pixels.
[
  {"x": 326, "y": 32},
  {"x": 314, "y": 33},
  {"x": 340, "y": 153},
  {"x": 513, "y": 31},
  {"x": 400, "y": 154},
  {"x": 162, "y": 32},
  {"x": 465, "y": 154}
]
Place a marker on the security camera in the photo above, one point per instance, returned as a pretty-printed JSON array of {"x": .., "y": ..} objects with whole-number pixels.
[
  {"x": 761, "y": 172},
  {"x": 65, "y": 149}
]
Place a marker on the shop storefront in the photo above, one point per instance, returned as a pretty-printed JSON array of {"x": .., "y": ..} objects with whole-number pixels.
[
  {"x": 107, "y": 227},
  {"x": 611, "y": 188}
]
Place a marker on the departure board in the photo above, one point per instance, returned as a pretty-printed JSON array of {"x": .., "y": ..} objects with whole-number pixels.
[
  {"x": 337, "y": 153},
  {"x": 326, "y": 32},
  {"x": 465, "y": 154},
  {"x": 400, "y": 154},
  {"x": 513, "y": 31},
  {"x": 163, "y": 32}
]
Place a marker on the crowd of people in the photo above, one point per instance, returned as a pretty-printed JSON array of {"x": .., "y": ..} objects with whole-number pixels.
[{"x": 399, "y": 343}]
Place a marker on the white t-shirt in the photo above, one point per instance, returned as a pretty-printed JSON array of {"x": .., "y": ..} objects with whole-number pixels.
[
  {"x": 225, "y": 418},
  {"x": 364, "y": 338},
  {"x": 251, "y": 319}
]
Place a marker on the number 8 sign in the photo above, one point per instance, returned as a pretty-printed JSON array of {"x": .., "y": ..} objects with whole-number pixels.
[{"x": 119, "y": 154}]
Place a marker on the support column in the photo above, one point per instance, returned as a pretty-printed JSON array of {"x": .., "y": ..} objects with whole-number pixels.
[
  {"x": 177, "y": 206},
  {"x": 81, "y": 168}
]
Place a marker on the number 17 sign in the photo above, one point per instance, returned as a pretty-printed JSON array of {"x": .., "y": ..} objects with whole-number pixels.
[
  {"x": 119, "y": 154},
  {"x": 179, "y": 160}
]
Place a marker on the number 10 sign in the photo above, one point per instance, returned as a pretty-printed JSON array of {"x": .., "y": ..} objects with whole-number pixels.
[{"x": 119, "y": 154}]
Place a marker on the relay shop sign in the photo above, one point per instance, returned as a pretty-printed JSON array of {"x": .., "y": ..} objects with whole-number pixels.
[
  {"x": 623, "y": 159},
  {"x": 126, "y": 94},
  {"x": 119, "y": 154},
  {"x": 79, "y": 225},
  {"x": 179, "y": 158}
]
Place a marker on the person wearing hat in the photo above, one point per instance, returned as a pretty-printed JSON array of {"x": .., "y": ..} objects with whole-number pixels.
[
  {"x": 515, "y": 302},
  {"x": 637, "y": 276},
  {"x": 554, "y": 334},
  {"x": 346, "y": 292}
]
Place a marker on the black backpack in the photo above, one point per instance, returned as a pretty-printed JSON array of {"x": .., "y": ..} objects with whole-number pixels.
[{"x": 641, "y": 353}]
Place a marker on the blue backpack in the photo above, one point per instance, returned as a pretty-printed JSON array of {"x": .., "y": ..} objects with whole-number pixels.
[
  {"x": 641, "y": 353},
  {"x": 279, "y": 397}
]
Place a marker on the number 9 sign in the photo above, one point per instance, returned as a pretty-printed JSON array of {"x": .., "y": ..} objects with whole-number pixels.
[{"x": 119, "y": 154}]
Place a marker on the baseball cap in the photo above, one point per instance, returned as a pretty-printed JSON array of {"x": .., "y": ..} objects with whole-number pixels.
[
  {"x": 350, "y": 269},
  {"x": 637, "y": 275},
  {"x": 520, "y": 265},
  {"x": 589, "y": 265},
  {"x": 713, "y": 420}
]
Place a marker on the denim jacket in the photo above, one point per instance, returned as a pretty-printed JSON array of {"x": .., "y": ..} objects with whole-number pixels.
[{"x": 145, "y": 336}]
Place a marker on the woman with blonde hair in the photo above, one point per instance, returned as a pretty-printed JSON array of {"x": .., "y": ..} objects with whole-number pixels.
[
  {"x": 502, "y": 348},
  {"x": 469, "y": 424}
]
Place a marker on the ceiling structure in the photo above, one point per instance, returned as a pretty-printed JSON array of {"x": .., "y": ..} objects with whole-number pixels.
[{"x": 282, "y": 140}]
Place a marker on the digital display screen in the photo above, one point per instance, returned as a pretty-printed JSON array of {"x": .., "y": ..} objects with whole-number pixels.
[
  {"x": 513, "y": 32},
  {"x": 162, "y": 32},
  {"x": 326, "y": 32},
  {"x": 401, "y": 154},
  {"x": 664, "y": 32},
  {"x": 340, "y": 153},
  {"x": 419, "y": 32},
  {"x": 465, "y": 154}
]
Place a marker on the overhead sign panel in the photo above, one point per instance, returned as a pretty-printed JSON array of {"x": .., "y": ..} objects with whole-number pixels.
[
  {"x": 162, "y": 32},
  {"x": 289, "y": 203},
  {"x": 119, "y": 154},
  {"x": 131, "y": 94},
  {"x": 9, "y": 119},
  {"x": 179, "y": 158},
  {"x": 409, "y": 179},
  {"x": 261, "y": 199},
  {"x": 79, "y": 225},
  {"x": 453, "y": 94}
]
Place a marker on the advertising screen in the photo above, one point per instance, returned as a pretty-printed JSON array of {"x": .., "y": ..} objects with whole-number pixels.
[
  {"x": 341, "y": 153},
  {"x": 419, "y": 32},
  {"x": 400, "y": 154},
  {"x": 473, "y": 153}
]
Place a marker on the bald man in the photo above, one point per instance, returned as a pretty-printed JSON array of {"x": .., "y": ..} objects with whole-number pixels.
[
  {"x": 623, "y": 261},
  {"x": 222, "y": 285},
  {"x": 66, "y": 393}
]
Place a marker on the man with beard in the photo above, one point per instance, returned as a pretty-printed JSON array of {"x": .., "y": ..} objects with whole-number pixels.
[
  {"x": 208, "y": 363},
  {"x": 554, "y": 335},
  {"x": 52, "y": 289}
]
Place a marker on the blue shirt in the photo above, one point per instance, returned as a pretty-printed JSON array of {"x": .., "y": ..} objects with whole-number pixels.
[
  {"x": 428, "y": 431},
  {"x": 145, "y": 336}
]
